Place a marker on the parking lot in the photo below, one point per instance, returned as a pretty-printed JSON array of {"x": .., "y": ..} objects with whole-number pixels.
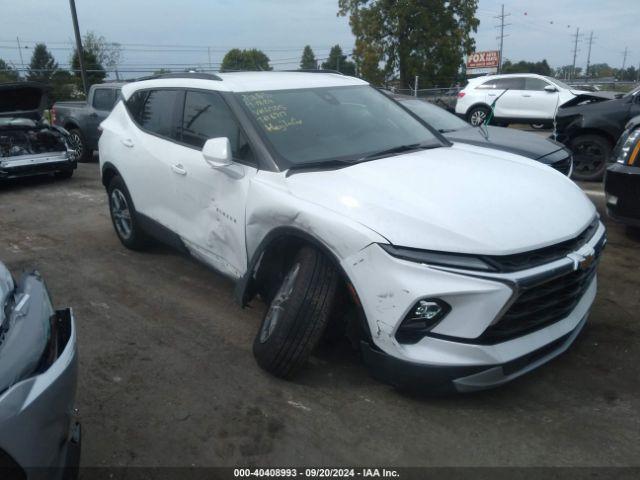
[{"x": 167, "y": 376}]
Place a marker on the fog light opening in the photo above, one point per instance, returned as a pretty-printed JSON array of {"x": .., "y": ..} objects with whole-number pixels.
[{"x": 422, "y": 317}]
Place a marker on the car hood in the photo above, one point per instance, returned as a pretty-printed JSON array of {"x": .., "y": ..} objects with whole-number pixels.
[
  {"x": 584, "y": 97},
  {"x": 462, "y": 199},
  {"x": 510, "y": 140},
  {"x": 23, "y": 100}
]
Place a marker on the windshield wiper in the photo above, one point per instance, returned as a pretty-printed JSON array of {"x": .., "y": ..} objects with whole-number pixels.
[
  {"x": 322, "y": 165},
  {"x": 396, "y": 150}
]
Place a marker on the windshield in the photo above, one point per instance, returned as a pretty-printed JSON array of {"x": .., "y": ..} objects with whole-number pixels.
[
  {"x": 315, "y": 125},
  {"x": 437, "y": 117},
  {"x": 559, "y": 83}
]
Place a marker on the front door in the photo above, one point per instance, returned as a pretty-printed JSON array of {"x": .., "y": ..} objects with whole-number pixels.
[
  {"x": 508, "y": 94},
  {"x": 537, "y": 103},
  {"x": 210, "y": 202}
]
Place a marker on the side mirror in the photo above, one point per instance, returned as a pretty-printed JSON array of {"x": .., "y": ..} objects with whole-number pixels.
[
  {"x": 217, "y": 152},
  {"x": 550, "y": 89}
]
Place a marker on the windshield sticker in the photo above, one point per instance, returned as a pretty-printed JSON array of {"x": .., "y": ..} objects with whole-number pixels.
[{"x": 273, "y": 116}]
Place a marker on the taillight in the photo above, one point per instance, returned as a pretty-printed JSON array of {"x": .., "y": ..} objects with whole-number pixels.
[
  {"x": 460, "y": 94},
  {"x": 53, "y": 115}
]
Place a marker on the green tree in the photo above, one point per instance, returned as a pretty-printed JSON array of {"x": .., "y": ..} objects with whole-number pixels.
[
  {"x": 599, "y": 70},
  {"x": 108, "y": 54},
  {"x": 252, "y": 60},
  {"x": 338, "y": 61},
  {"x": 367, "y": 60},
  {"x": 568, "y": 72},
  {"x": 7, "y": 73},
  {"x": 308, "y": 60},
  {"x": 95, "y": 71},
  {"x": 541, "y": 68},
  {"x": 414, "y": 37},
  {"x": 42, "y": 66}
]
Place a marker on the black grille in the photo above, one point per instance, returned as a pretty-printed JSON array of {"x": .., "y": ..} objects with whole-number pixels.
[
  {"x": 522, "y": 261},
  {"x": 541, "y": 305}
]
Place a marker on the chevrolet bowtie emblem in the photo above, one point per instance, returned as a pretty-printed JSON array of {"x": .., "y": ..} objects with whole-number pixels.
[{"x": 586, "y": 262}]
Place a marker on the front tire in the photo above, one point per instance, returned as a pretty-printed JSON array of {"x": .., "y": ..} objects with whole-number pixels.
[
  {"x": 478, "y": 115},
  {"x": 298, "y": 314},
  {"x": 591, "y": 154},
  {"x": 124, "y": 216}
]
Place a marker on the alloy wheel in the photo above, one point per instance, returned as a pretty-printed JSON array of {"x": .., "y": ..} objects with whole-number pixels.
[
  {"x": 121, "y": 214},
  {"x": 276, "y": 310},
  {"x": 478, "y": 117}
]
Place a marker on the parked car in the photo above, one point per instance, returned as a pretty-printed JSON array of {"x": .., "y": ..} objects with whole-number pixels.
[
  {"x": 528, "y": 145},
  {"x": 622, "y": 178},
  {"x": 82, "y": 119},
  {"x": 468, "y": 267},
  {"x": 592, "y": 129},
  {"x": 39, "y": 436},
  {"x": 524, "y": 98},
  {"x": 27, "y": 145}
]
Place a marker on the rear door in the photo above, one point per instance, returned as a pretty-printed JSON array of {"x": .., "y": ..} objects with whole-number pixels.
[
  {"x": 508, "y": 93},
  {"x": 153, "y": 153},
  {"x": 210, "y": 202},
  {"x": 536, "y": 102}
]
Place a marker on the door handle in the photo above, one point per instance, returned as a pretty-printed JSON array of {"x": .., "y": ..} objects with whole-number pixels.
[
  {"x": 179, "y": 169},
  {"x": 127, "y": 142}
]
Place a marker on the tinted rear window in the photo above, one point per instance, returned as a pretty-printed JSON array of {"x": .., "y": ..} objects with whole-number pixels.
[{"x": 154, "y": 110}]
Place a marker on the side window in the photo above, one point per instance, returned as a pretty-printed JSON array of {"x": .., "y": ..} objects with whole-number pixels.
[
  {"x": 491, "y": 84},
  {"x": 104, "y": 98},
  {"x": 511, "y": 83},
  {"x": 535, "y": 84},
  {"x": 135, "y": 104},
  {"x": 206, "y": 116},
  {"x": 157, "y": 114}
]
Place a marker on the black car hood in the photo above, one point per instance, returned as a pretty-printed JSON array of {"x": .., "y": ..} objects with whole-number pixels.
[
  {"x": 527, "y": 144},
  {"x": 22, "y": 100},
  {"x": 588, "y": 98}
]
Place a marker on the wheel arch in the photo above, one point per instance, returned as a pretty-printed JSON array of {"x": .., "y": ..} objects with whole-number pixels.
[
  {"x": 272, "y": 250},
  {"x": 109, "y": 171},
  {"x": 71, "y": 124},
  {"x": 593, "y": 131}
]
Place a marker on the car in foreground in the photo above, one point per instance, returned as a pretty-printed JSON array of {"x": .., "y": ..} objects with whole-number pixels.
[
  {"x": 591, "y": 130},
  {"x": 622, "y": 178},
  {"x": 524, "y": 98},
  {"x": 544, "y": 150},
  {"x": 28, "y": 146},
  {"x": 466, "y": 267},
  {"x": 82, "y": 118},
  {"x": 39, "y": 437}
]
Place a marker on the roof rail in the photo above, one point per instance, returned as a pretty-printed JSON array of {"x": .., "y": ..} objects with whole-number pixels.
[
  {"x": 197, "y": 75},
  {"x": 313, "y": 70}
]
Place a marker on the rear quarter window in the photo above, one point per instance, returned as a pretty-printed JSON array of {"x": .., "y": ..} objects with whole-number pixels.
[{"x": 154, "y": 111}]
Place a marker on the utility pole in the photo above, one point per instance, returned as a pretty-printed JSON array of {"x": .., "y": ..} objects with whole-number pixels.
[
  {"x": 20, "y": 52},
  {"x": 415, "y": 92},
  {"x": 502, "y": 35},
  {"x": 209, "y": 55},
  {"x": 76, "y": 30},
  {"x": 589, "y": 54},
  {"x": 575, "y": 53},
  {"x": 624, "y": 58}
]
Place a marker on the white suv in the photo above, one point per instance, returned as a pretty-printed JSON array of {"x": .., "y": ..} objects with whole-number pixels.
[
  {"x": 521, "y": 98},
  {"x": 465, "y": 267}
]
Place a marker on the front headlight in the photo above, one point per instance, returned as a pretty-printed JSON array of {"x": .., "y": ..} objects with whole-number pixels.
[
  {"x": 428, "y": 257},
  {"x": 626, "y": 154}
]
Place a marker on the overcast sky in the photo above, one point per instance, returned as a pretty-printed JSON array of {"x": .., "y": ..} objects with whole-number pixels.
[{"x": 177, "y": 32}]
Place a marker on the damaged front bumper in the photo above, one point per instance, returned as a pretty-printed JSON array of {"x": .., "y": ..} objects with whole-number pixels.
[
  {"x": 39, "y": 432},
  {"x": 37, "y": 164}
]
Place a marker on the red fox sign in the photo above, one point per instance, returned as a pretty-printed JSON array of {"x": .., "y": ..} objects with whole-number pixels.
[{"x": 489, "y": 59}]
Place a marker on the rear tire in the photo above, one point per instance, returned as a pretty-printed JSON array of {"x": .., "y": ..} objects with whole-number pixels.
[
  {"x": 124, "y": 216},
  {"x": 478, "y": 115},
  {"x": 298, "y": 314},
  {"x": 79, "y": 145},
  {"x": 591, "y": 155}
]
